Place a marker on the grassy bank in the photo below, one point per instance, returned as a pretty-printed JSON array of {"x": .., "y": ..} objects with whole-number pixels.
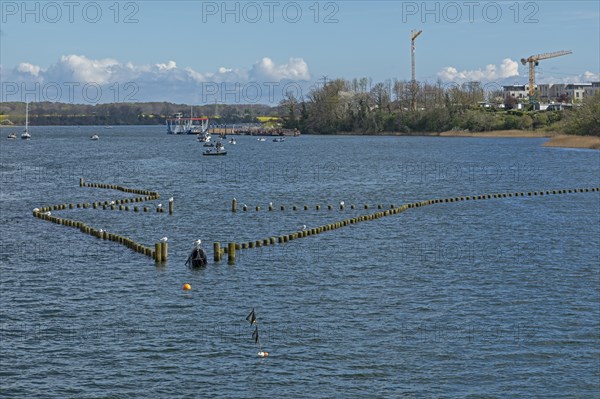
[{"x": 590, "y": 142}]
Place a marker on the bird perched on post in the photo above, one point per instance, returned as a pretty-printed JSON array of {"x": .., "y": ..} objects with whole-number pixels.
[{"x": 164, "y": 239}]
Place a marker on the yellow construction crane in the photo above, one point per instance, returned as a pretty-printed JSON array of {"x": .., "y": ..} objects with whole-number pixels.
[
  {"x": 413, "y": 35},
  {"x": 534, "y": 61}
]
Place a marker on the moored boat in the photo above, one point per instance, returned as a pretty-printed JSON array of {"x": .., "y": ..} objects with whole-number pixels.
[
  {"x": 25, "y": 135},
  {"x": 218, "y": 150}
]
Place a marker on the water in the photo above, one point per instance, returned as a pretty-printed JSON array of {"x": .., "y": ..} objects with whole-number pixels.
[{"x": 496, "y": 298}]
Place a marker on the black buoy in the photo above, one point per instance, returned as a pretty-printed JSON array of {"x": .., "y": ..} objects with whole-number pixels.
[{"x": 197, "y": 257}]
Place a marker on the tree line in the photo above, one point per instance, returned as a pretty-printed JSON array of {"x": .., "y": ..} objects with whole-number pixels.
[
  {"x": 356, "y": 106},
  {"x": 341, "y": 106}
]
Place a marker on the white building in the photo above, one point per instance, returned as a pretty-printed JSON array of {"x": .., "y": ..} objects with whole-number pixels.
[
  {"x": 591, "y": 91},
  {"x": 551, "y": 92},
  {"x": 576, "y": 92},
  {"x": 519, "y": 92}
]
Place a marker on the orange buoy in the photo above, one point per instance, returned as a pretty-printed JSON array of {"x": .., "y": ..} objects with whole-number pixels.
[{"x": 187, "y": 287}]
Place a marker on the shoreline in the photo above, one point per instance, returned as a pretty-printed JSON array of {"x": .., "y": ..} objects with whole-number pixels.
[
  {"x": 458, "y": 133},
  {"x": 556, "y": 139}
]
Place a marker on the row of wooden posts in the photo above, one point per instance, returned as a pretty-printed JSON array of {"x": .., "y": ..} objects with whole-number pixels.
[
  {"x": 233, "y": 246},
  {"x": 160, "y": 251},
  {"x": 342, "y": 206}
]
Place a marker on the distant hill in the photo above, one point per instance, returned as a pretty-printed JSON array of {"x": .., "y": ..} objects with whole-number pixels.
[{"x": 147, "y": 113}]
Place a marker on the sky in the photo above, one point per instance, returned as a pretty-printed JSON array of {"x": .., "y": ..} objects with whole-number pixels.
[{"x": 201, "y": 52}]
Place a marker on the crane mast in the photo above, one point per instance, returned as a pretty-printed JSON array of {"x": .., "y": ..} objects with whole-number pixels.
[
  {"x": 534, "y": 61},
  {"x": 413, "y": 35}
]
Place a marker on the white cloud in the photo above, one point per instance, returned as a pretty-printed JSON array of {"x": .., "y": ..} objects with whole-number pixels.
[
  {"x": 295, "y": 69},
  {"x": 160, "y": 81},
  {"x": 507, "y": 69},
  {"x": 591, "y": 76},
  {"x": 25, "y": 67},
  {"x": 585, "y": 77},
  {"x": 166, "y": 67},
  {"x": 86, "y": 70}
]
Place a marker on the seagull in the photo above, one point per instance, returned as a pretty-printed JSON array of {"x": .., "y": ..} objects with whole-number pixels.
[
  {"x": 171, "y": 199},
  {"x": 303, "y": 227},
  {"x": 341, "y": 203},
  {"x": 47, "y": 213},
  {"x": 164, "y": 239},
  {"x": 36, "y": 209},
  {"x": 159, "y": 206},
  {"x": 112, "y": 202},
  {"x": 101, "y": 231},
  {"x": 270, "y": 204},
  {"x": 198, "y": 243}
]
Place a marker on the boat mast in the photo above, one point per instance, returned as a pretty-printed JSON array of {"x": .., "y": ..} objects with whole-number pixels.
[{"x": 26, "y": 117}]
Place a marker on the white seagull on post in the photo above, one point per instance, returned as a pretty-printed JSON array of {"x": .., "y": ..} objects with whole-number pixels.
[{"x": 164, "y": 239}]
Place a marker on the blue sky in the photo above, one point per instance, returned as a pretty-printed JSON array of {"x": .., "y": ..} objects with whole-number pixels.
[{"x": 180, "y": 50}]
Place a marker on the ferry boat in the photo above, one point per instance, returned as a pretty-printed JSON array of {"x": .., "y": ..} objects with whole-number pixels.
[{"x": 180, "y": 125}]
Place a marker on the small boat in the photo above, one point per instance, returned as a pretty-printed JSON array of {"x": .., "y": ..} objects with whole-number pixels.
[
  {"x": 94, "y": 137},
  {"x": 278, "y": 139},
  {"x": 205, "y": 138},
  {"x": 262, "y": 139},
  {"x": 12, "y": 136},
  {"x": 25, "y": 135},
  {"x": 211, "y": 152},
  {"x": 232, "y": 141},
  {"x": 219, "y": 150},
  {"x": 197, "y": 257}
]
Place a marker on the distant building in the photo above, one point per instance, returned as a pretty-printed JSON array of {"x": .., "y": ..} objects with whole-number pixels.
[
  {"x": 519, "y": 92},
  {"x": 551, "y": 92},
  {"x": 593, "y": 90},
  {"x": 575, "y": 92}
]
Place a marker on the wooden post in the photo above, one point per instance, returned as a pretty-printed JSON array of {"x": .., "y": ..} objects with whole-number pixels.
[
  {"x": 158, "y": 252},
  {"x": 165, "y": 251},
  {"x": 171, "y": 206},
  {"x": 234, "y": 205},
  {"x": 217, "y": 251},
  {"x": 231, "y": 253}
]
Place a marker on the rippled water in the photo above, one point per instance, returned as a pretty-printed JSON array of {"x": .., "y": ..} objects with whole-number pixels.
[{"x": 496, "y": 298}]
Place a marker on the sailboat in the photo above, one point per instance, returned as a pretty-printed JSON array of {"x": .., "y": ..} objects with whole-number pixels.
[
  {"x": 25, "y": 135},
  {"x": 251, "y": 318}
]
